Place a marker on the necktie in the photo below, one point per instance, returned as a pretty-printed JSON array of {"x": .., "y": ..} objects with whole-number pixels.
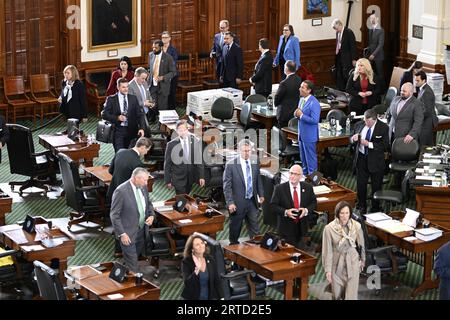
[
  {"x": 366, "y": 149},
  {"x": 186, "y": 149},
  {"x": 225, "y": 50},
  {"x": 302, "y": 103},
  {"x": 140, "y": 207},
  {"x": 156, "y": 66},
  {"x": 296, "y": 201},
  {"x": 144, "y": 96},
  {"x": 249, "y": 193},
  {"x": 125, "y": 110}
]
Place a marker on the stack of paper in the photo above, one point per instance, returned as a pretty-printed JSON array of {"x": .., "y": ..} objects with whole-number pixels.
[
  {"x": 321, "y": 190},
  {"x": 393, "y": 226},
  {"x": 428, "y": 234},
  {"x": 374, "y": 218},
  {"x": 168, "y": 116}
]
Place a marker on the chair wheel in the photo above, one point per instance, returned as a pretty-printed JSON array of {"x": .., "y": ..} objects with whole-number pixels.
[
  {"x": 396, "y": 288},
  {"x": 156, "y": 275},
  {"x": 69, "y": 227}
]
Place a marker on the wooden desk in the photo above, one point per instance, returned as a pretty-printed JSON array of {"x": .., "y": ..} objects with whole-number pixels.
[
  {"x": 434, "y": 204},
  {"x": 5, "y": 207},
  {"x": 103, "y": 177},
  {"x": 199, "y": 221},
  {"x": 327, "y": 201},
  {"x": 101, "y": 286},
  {"x": 418, "y": 246},
  {"x": 275, "y": 265},
  {"x": 30, "y": 245},
  {"x": 75, "y": 150}
]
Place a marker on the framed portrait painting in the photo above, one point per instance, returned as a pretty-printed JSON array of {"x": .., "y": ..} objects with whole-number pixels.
[
  {"x": 111, "y": 24},
  {"x": 316, "y": 9}
]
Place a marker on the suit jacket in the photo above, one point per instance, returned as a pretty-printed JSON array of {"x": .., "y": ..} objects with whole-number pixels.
[
  {"x": 287, "y": 97},
  {"x": 167, "y": 70},
  {"x": 234, "y": 182},
  {"x": 121, "y": 168},
  {"x": 409, "y": 121},
  {"x": 282, "y": 200},
  {"x": 77, "y": 106},
  {"x": 191, "y": 290},
  {"x": 291, "y": 51},
  {"x": 124, "y": 211},
  {"x": 354, "y": 88},
  {"x": 347, "y": 53},
  {"x": 175, "y": 170},
  {"x": 308, "y": 124},
  {"x": 233, "y": 64},
  {"x": 262, "y": 78},
  {"x": 430, "y": 119},
  {"x": 133, "y": 89},
  {"x": 112, "y": 87},
  {"x": 4, "y": 135},
  {"x": 135, "y": 113},
  {"x": 376, "y": 43},
  {"x": 442, "y": 269},
  {"x": 380, "y": 141},
  {"x": 217, "y": 47}
]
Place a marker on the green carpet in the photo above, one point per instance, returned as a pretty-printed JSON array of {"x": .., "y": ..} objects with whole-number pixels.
[{"x": 101, "y": 249}]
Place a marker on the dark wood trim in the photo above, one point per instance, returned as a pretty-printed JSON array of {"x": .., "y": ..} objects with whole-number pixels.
[
  {"x": 404, "y": 20},
  {"x": 2, "y": 40}
]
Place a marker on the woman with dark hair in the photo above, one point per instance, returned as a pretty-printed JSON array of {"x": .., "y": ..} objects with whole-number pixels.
[
  {"x": 201, "y": 278},
  {"x": 408, "y": 75},
  {"x": 73, "y": 103},
  {"x": 288, "y": 49},
  {"x": 170, "y": 49},
  {"x": 343, "y": 253},
  {"x": 124, "y": 70}
]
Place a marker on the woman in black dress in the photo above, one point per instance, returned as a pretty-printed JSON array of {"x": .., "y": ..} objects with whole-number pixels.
[{"x": 73, "y": 95}]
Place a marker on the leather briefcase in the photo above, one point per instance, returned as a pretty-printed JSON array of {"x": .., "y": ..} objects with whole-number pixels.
[{"x": 105, "y": 131}]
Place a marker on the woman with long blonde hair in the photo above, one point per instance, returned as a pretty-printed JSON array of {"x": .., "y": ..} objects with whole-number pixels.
[
  {"x": 73, "y": 103},
  {"x": 362, "y": 87}
]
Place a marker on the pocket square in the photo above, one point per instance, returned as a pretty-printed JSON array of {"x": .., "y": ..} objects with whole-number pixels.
[{"x": 378, "y": 137}]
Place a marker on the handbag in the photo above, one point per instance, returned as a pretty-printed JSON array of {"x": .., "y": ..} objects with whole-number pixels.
[{"x": 105, "y": 131}]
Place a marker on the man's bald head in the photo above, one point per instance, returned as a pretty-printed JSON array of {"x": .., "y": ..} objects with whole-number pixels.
[
  {"x": 295, "y": 174},
  {"x": 406, "y": 90}
]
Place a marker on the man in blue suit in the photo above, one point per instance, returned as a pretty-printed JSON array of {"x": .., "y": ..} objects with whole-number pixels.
[
  {"x": 241, "y": 186},
  {"x": 308, "y": 113},
  {"x": 288, "y": 49},
  {"x": 218, "y": 43},
  {"x": 442, "y": 269}
]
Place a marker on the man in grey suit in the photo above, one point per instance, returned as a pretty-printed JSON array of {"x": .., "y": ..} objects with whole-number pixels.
[
  {"x": 162, "y": 70},
  {"x": 139, "y": 88},
  {"x": 375, "y": 49},
  {"x": 131, "y": 212},
  {"x": 430, "y": 119},
  {"x": 241, "y": 186},
  {"x": 406, "y": 115},
  {"x": 183, "y": 164}
]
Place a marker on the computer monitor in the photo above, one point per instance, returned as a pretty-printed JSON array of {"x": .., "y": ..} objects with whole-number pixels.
[{"x": 73, "y": 128}]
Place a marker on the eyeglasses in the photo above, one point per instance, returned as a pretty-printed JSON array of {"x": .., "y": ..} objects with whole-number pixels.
[
  {"x": 166, "y": 37},
  {"x": 286, "y": 30},
  {"x": 295, "y": 174}
]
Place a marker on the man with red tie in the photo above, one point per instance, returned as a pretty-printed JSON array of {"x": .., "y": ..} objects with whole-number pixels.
[{"x": 292, "y": 202}]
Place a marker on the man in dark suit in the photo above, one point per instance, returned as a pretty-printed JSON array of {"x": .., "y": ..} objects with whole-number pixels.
[
  {"x": 162, "y": 69},
  {"x": 262, "y": 78},
  {"x": 124, "y": 112},
  {"x": 346, "y": 56},
  {"x": 131, "y": 212},
  {"x": 183, "y": 163},
  {"x": 111, "y": 24},
  {"x": 242, "y": 186},
  {"x": 233, "y": 62},
  {"x": 430, "y": 119},
  {"x": 217, "y": 47},
  {"x": 372, "y": 140},
  {"x": 442, "y": 270},
  {"x": 288, "y": 95},
  {"x": 406, "y": 115},
  {"x": 139, "y": 88},
  {"x": 292, "y": 201},
  {"x": 4, "y": 135},
  {"x": 375, "y": 49}
]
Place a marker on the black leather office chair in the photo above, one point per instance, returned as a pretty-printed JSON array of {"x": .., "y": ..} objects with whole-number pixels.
[
  {"x": 404, "y": 155},
  {"x": 394, "y": 196},
  {"x": 23, "y": 160},
  {"x": 255, "y": 98},
  {"x": 390, "y": 95},
  {"x": 388, "y": 259},
  {"x": 269, "y": 181},
  {"x": 15, "y": 278},
  {"x": 83, "y": 199},
  {"x": 223, "y": 109},
  {"x": 285, "y": 151},
  {"x": 236, "y": 285},
  {"x": 50, "y": 287},
  {"x": 245, "y": 118},
  {"x": 337, "y": 114}
]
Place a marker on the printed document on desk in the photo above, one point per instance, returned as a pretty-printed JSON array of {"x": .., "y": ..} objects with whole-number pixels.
[
  {"x": 374, "y": 218},
  {"x": 321, "y": 189},
  {"x": 393, "y": 226},
  {"x": 428, "y": 234},
  {"x": 411, "y": 217}
]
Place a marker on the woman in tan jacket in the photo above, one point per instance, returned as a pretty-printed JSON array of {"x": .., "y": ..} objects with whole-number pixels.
[{"x": 341, "y": 241}]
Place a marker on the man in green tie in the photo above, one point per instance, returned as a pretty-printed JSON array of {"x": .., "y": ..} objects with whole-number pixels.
[{"x": 131, "y": 211}]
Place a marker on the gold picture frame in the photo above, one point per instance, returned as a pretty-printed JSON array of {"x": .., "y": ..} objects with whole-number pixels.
[
  {"x": 316, "y": 9},
  {"x": 112, "y": 24}
]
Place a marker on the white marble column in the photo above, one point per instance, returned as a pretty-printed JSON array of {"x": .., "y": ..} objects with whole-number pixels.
[{"x": 436, "y": 31}]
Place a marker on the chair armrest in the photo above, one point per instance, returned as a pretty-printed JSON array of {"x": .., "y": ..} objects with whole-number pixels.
[
  {"x": 43, "y": 153},
  {"x": 238, "y": 274},
  {"x": 88, "y": 188},
  {"x": 8, "y": 253},
  {"x": 159, "y": 230},
  {"x": 379, "y": 250}
]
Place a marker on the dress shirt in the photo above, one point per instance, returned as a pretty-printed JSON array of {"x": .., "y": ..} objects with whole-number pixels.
[
  {"x": 299, "y": 193},
  {"x": 122, "y": 98},
  {"x": 244, "y": 170},
  {"x": 363, "y": 135}
]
